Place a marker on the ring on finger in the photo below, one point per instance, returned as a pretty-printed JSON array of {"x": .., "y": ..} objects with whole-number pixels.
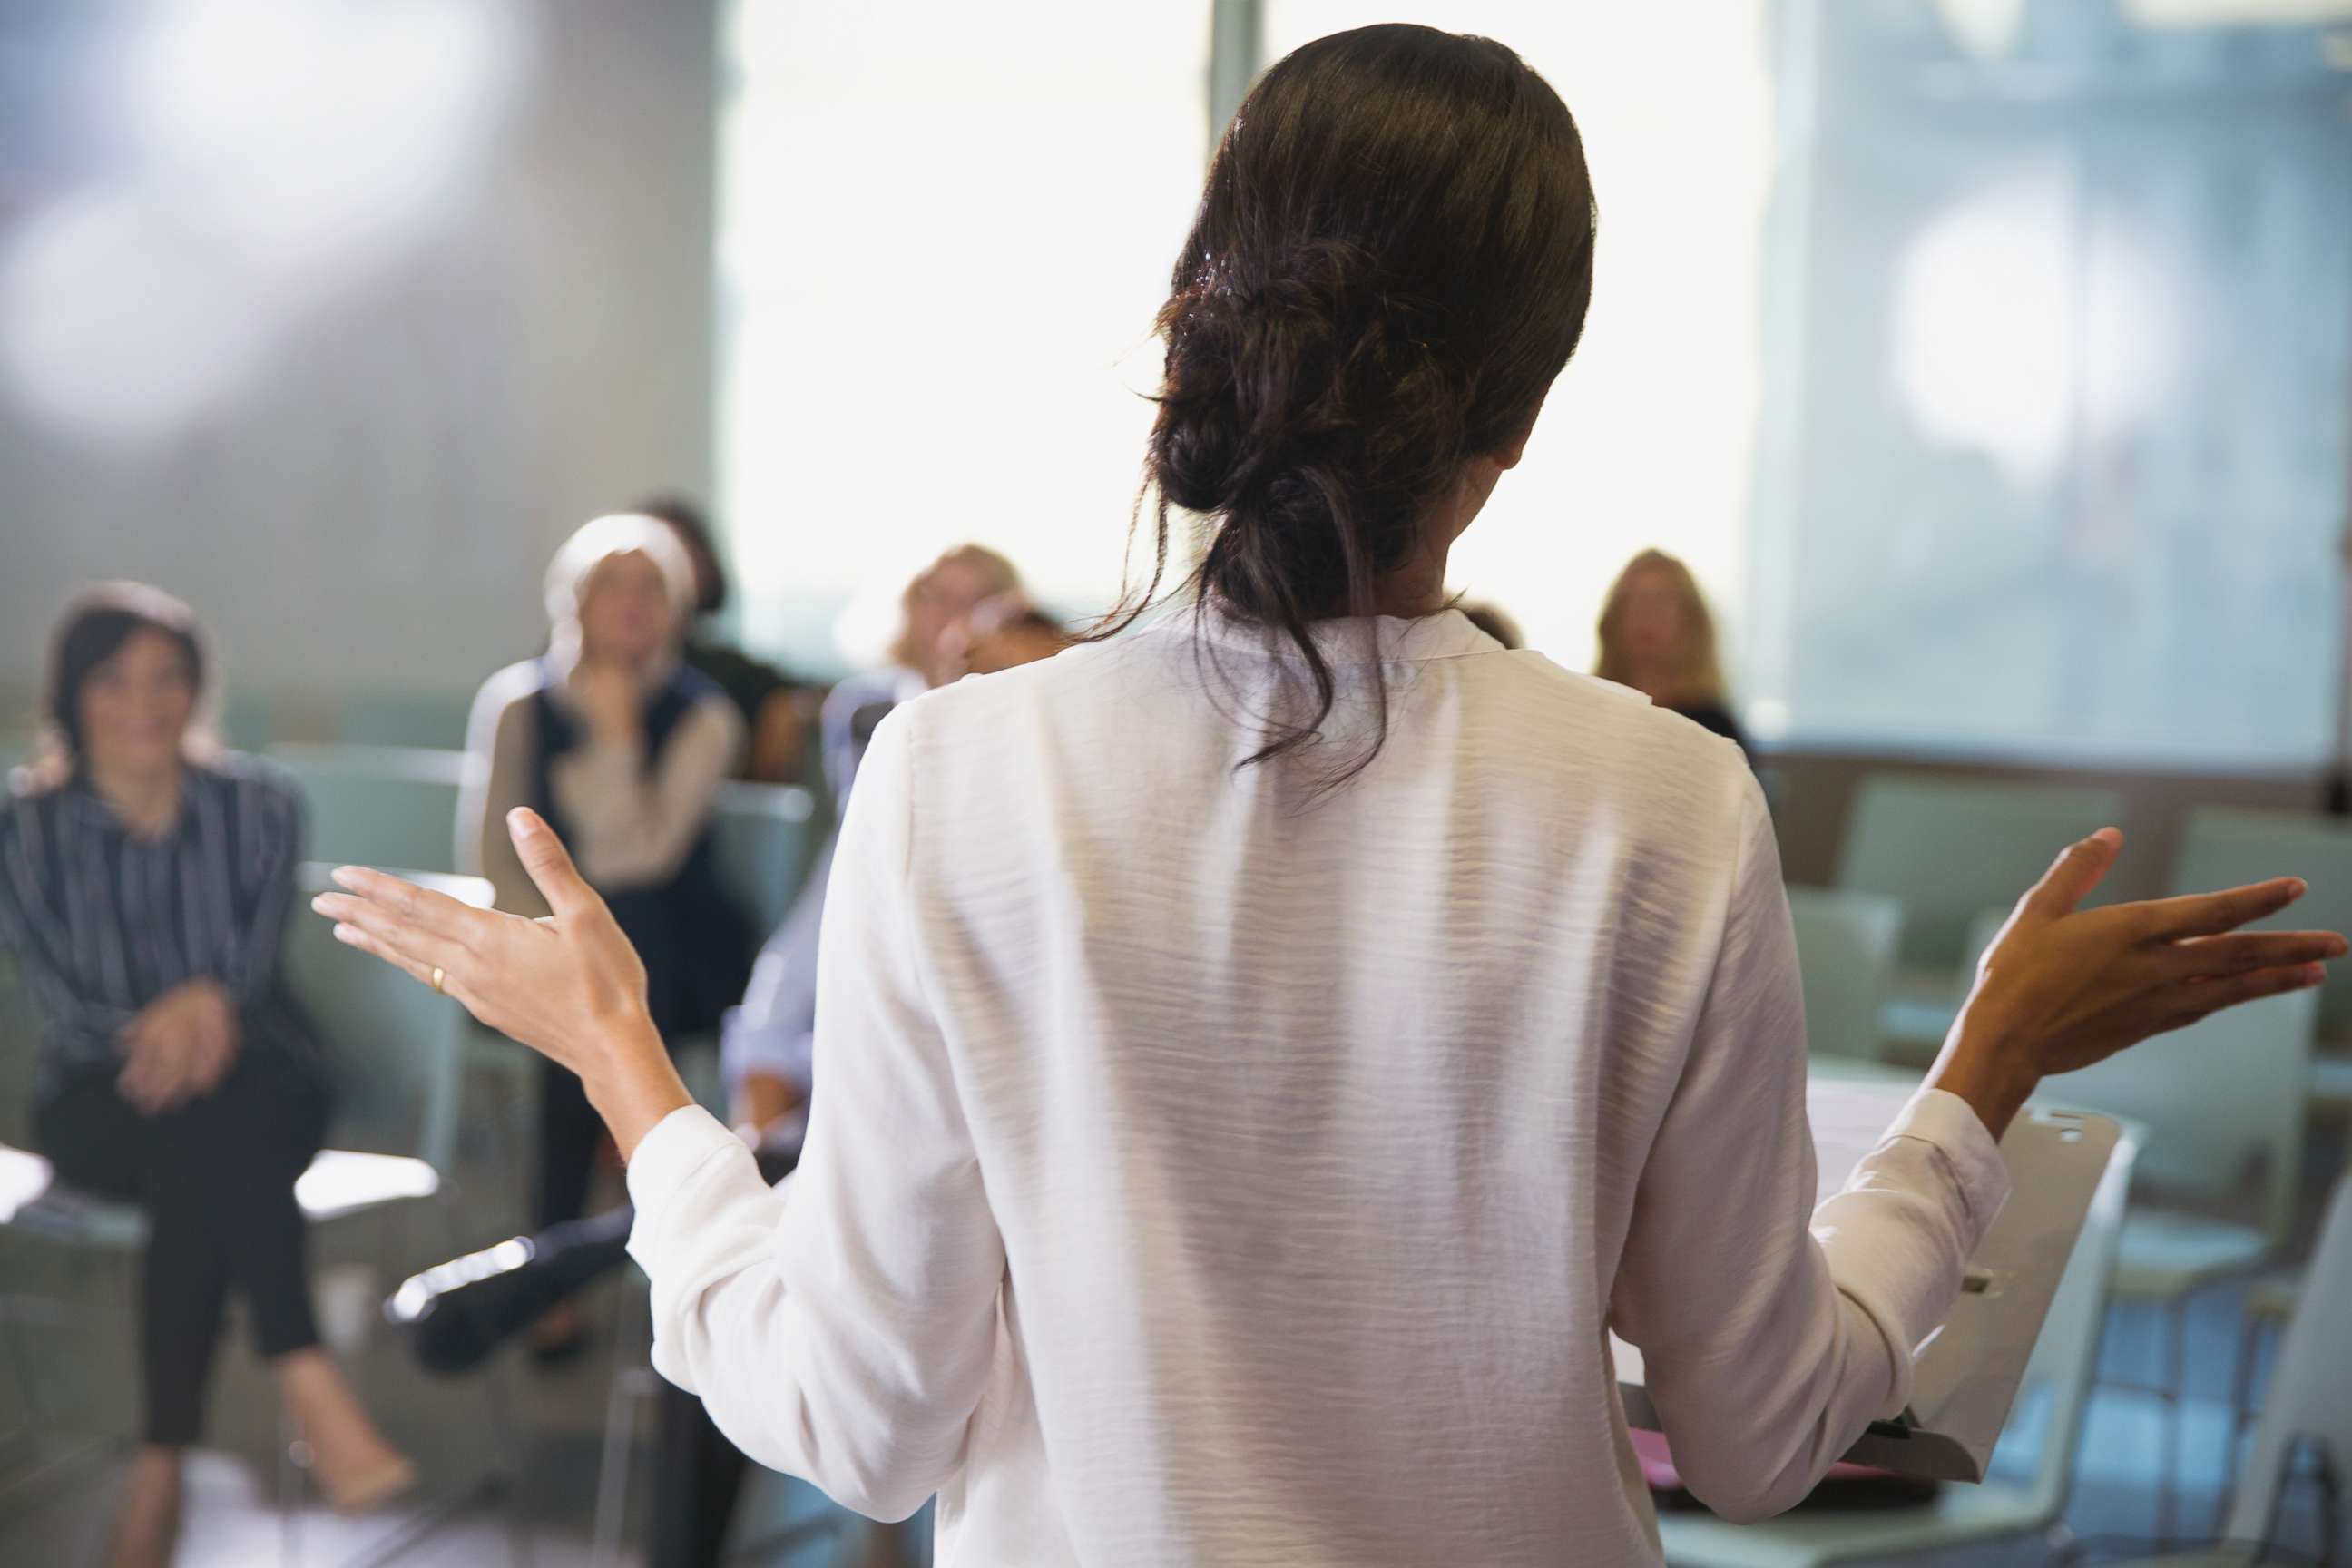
[{"x": 439, "y": 974}]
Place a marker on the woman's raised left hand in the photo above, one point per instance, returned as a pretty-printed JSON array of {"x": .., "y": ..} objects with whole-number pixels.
[{"x": 569, "y": 986}]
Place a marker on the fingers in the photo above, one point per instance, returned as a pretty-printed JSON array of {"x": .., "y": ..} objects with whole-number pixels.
[
  {"x": 2237, "y": 952},
  {"x": 2209, "y": 914},
  {"x": 416, "y": 969},
  {"x": 549, "y": 864},
  {"x": 2080, "y": 867},
  {"x": 392, "y": 933},
  {"x": 420, "y": 909},
  {"x": 152, "y": 1081},
  {"x": 2195, "y": 999}
]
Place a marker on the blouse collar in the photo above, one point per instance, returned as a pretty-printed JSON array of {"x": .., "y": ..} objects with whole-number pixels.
[{"x": 1355, "y": 639}]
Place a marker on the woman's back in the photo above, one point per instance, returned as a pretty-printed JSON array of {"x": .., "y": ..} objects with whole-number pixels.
[{"x": 1311, "y": 1123}]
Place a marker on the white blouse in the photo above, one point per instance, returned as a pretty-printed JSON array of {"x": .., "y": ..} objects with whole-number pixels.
[{"x": 1210, "y": 1170}]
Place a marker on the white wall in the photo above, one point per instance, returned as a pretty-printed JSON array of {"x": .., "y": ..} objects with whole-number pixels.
[{"x": 371, "y": 513}]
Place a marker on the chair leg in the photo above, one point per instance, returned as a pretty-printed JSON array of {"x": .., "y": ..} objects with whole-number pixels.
[
  {"x": 2173, "y": 1326},
  {"x": 2241, "y": 1374},
  {"x": 612, "y": 1472},
  {"x": 26, "y": 1400},
  {"x": 497, "y": 1393},
  {"x": 290, "y": 1497},
  {"x": 498, "y": 1405}
]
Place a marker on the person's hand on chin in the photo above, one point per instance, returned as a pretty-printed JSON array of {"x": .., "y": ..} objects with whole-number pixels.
[{"x": 570, "y": 986}]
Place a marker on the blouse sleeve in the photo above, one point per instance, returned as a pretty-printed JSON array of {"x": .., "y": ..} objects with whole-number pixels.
[
  {"x": 840, "y": 1328},
  {"x": 1772, "y": 1332}
]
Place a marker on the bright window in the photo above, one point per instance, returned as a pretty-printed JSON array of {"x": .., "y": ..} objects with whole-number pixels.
[
  {"x": 944, "y": 231},
  {"x": 2056, "y": 466},
  {"x": 1644, "y": 441}
]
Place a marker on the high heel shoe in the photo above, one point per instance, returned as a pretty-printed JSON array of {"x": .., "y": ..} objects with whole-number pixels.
[{"x": 371, "y": 1489}]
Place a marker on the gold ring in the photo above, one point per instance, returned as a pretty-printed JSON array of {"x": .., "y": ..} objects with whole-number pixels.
[{"x": 439, "y": 974}]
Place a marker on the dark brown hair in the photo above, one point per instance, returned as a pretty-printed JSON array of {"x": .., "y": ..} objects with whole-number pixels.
[
  {"x": 694, "y": 527},
  {"x": 93, "y": 629},
  {"x": 1391, "y": 263}
]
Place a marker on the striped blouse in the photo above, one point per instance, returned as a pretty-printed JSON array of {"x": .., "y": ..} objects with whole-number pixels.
[{"x": 102, "y": 922}]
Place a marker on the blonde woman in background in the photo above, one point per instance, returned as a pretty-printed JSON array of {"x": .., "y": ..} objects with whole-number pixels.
[
  {"x": 1657, "y": 637},
  {"x": 611, "y": 734}
]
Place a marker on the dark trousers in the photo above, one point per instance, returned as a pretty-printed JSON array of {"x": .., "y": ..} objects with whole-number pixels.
[
  {"x": 695, "y": 1489},
  {"x": 216, "y": 1179},
  {"x": 570, "y": 1133}
]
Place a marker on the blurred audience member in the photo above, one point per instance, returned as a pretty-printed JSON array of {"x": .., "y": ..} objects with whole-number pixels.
[
  {"x": 144, "y": 884},
  {"x": 1490, "y": 619},
  {"x": 1001, "y": 633},
  {"x": 623, "y": 748},
  {"x": 964, "y": 614},
  {"x": 1657, "y": 637},
  {"x": 928, "y": 650},
  {"x": 777, "y": 709}
]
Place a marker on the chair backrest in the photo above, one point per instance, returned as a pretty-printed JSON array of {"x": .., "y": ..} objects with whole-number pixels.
[
  {"x": 245, "y": 720},
  {"x": 2055, "y": 1394},
  {"x": 2216, "y": 1098},
  {"x": 1948, "y": 847},
  {"x": 378, "y": 805},
  {"x": 395, "y": 1049},
  {"x": 2224, "y": 847},
  {"x": 2310, "y": 1394},
  {"x": 765, "y": 837},
  {"x": 433, "y": 720},
  {"x": 1846, "y": 944}
]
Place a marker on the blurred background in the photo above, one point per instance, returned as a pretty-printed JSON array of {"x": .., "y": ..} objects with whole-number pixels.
[{"x": 1989, "y": 362}]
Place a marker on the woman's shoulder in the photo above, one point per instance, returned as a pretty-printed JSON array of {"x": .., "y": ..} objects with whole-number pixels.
[
  {"x": 704, "y": 694},
  {"x": 246, "y": 781},
  {"x": 517, "y": 682},
  {"x": 508, "y": 692},
  {"x": 28, "y": 802},
  {"x": 1566, "y": 724}
]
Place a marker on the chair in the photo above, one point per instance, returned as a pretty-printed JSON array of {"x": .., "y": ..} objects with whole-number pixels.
[
  {"x": 378, "y": 805},
  {"x": 1948, "y": 848},
  {"x": 246, "y": 722},
  {"x": 434, "y": 720},
  {"x": 1846, "y": 952},
  {"x": 2223, "y": 846},
  {"x": 395, "y": 1049},
  {"x": 2310, "y": 1401},
  {"x": 2219, "y": 1098},
  {"x": 2034, "y": 1467},
  {"x": 765, "y": 837}
]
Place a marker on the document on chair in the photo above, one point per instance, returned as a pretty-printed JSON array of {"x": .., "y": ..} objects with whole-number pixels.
[{"x": 1965, "y": 1377}]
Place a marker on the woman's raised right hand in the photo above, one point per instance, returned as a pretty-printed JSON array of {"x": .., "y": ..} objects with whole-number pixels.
[
  {"x": 569, "y": 986},
  {"x": 2061, "y": 986}
]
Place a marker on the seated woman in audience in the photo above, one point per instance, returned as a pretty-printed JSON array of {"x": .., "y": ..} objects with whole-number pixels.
[
  {"x": 777, "y": 709},
  {"x": 928, "y": 652},
  {"x": 144, "y": 883},
  {"x": 611, "y": 735},
  {"x": 1657, "y": 637}
]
